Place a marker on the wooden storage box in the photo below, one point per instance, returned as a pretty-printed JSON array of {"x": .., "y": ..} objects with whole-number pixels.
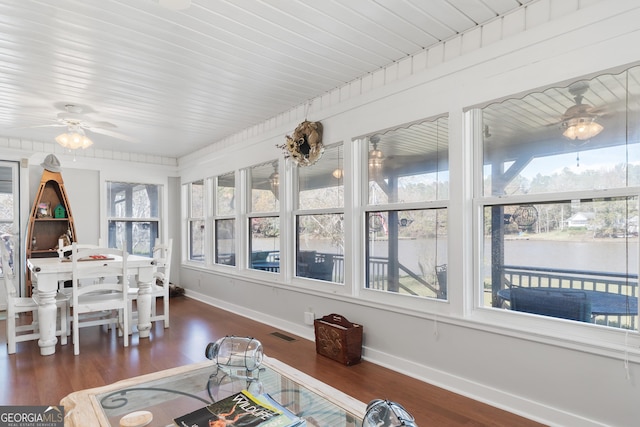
[{"x": 338, "y": 339}]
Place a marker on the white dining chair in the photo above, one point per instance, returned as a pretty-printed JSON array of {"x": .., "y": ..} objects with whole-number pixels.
[
  {"x": 17, "y": 305},
  {"x": 105, "y": 301},
  {"x": 159, "y": 286},
  {"x": 64, "y": 253}
]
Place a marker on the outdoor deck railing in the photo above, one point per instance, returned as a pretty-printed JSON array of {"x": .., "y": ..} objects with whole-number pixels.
[
  {"x": 378, "y": 270},
  {"x": 265, "y": 260},
  {"x": 379, "y": 278},
  {"x": 522, "y": 276}
]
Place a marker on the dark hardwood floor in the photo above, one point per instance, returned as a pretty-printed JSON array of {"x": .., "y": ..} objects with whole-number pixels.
[{"x": 30, "y": 379}]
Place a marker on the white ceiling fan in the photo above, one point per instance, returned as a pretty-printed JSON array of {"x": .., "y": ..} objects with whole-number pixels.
[
  {"x": 73, "y": 119},
  {"x": 580, "y": 109},
  {"x": 579, "y": 122}
]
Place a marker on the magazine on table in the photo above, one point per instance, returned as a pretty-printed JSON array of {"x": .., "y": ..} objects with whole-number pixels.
[
  {"x": 241, "y": 409},
  {"x": 285, "y": 419}
]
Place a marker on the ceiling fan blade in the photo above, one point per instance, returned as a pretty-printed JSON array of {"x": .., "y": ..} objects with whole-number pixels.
[
  {"x": 89, "y": 125},
  {"x": 73, "y": 107},
  {"x": 113, "y": 134},
  {"x": 52, "y": 125},
  {"x": 73, "y": 117},
  {"x": 101, "y": 125}
]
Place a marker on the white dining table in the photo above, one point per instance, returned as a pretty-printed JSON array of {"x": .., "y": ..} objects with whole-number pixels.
[{"x": 50, "y": 271}]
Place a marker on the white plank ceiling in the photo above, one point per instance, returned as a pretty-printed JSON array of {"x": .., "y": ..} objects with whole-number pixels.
[{"x": 168, "y": 81}]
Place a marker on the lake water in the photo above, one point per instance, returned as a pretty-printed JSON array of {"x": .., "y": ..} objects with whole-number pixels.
[{"x": 596, "y": 255}]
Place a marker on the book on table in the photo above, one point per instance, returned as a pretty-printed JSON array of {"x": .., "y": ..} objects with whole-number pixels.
[{"x": 241, "y": 409}]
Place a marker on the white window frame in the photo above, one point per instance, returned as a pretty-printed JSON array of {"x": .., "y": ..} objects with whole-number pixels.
[
  {"x": 190, "y": 219},
  {"x": 157, "y": 219},
  {"x": 583, "y": 336},
  {"x": 419, "y": 304},
  {"x": 248, "y": 215},
  {"x": 217, "y": 216},
  {"x": 297, "y": 213}
]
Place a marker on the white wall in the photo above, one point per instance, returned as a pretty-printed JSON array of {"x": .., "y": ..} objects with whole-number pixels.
[{"x": 555, "y": 373}]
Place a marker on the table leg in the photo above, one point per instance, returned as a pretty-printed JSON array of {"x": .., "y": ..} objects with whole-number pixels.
[
  {"x": 47, "y": 313},
  {"x": 144, "y": 302}
]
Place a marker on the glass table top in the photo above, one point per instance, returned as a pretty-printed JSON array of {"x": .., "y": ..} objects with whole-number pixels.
[{"x": 172, "y": 396}]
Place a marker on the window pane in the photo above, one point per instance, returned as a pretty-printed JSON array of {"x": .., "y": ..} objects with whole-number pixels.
[
  {"x": 225, "y": 241},
  {"x": 414, "y": 261},
  {"x": 8, "y": 216},
  {"x": 137, "y": 237},
  {"x": 265, "y": 188},
  {"x": 196, "y": 240},
  {"x": 127, "y": 200},
  {"x": 133, "y": 222},
  {"x": 7, "y": 212},
  {"x": 197, "y": 199},
  {"x": 410, "y": 164},
  {"x": 320, "y": 247},
  {"x": 264, "y": 246},
  {"x": 226, "y": 194},
  {"x": 526, "y": 150},
  {"x": 586, "y": 245},
  {"x": 322, "y": 186}
]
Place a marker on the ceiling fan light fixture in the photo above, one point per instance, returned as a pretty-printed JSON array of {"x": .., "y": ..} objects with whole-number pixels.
[
  {"x": 376, "y": 159},
  {"x": 581, "y": 128},
  {"x": 579, "y": 119},
  {"x": 274, "y": 181},
  {"x": 74, "y": 139}
]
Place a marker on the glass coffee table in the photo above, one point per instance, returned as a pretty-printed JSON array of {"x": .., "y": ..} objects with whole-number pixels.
[{"x": 175, "y": 392}]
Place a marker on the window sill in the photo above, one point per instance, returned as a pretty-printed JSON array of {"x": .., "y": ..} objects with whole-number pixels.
[{"x": 585, "y": 337}]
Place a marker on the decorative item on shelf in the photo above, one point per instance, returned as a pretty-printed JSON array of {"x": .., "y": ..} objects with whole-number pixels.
[
  {"x": 59, "y": 211},
  {"x": 304, "y": 147},
  {"x": 238, "y": 355},
  {"x": 51, "y": 163},
  {"x": 385, "y": 413},
  {"x": 44, "y": 210}
]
